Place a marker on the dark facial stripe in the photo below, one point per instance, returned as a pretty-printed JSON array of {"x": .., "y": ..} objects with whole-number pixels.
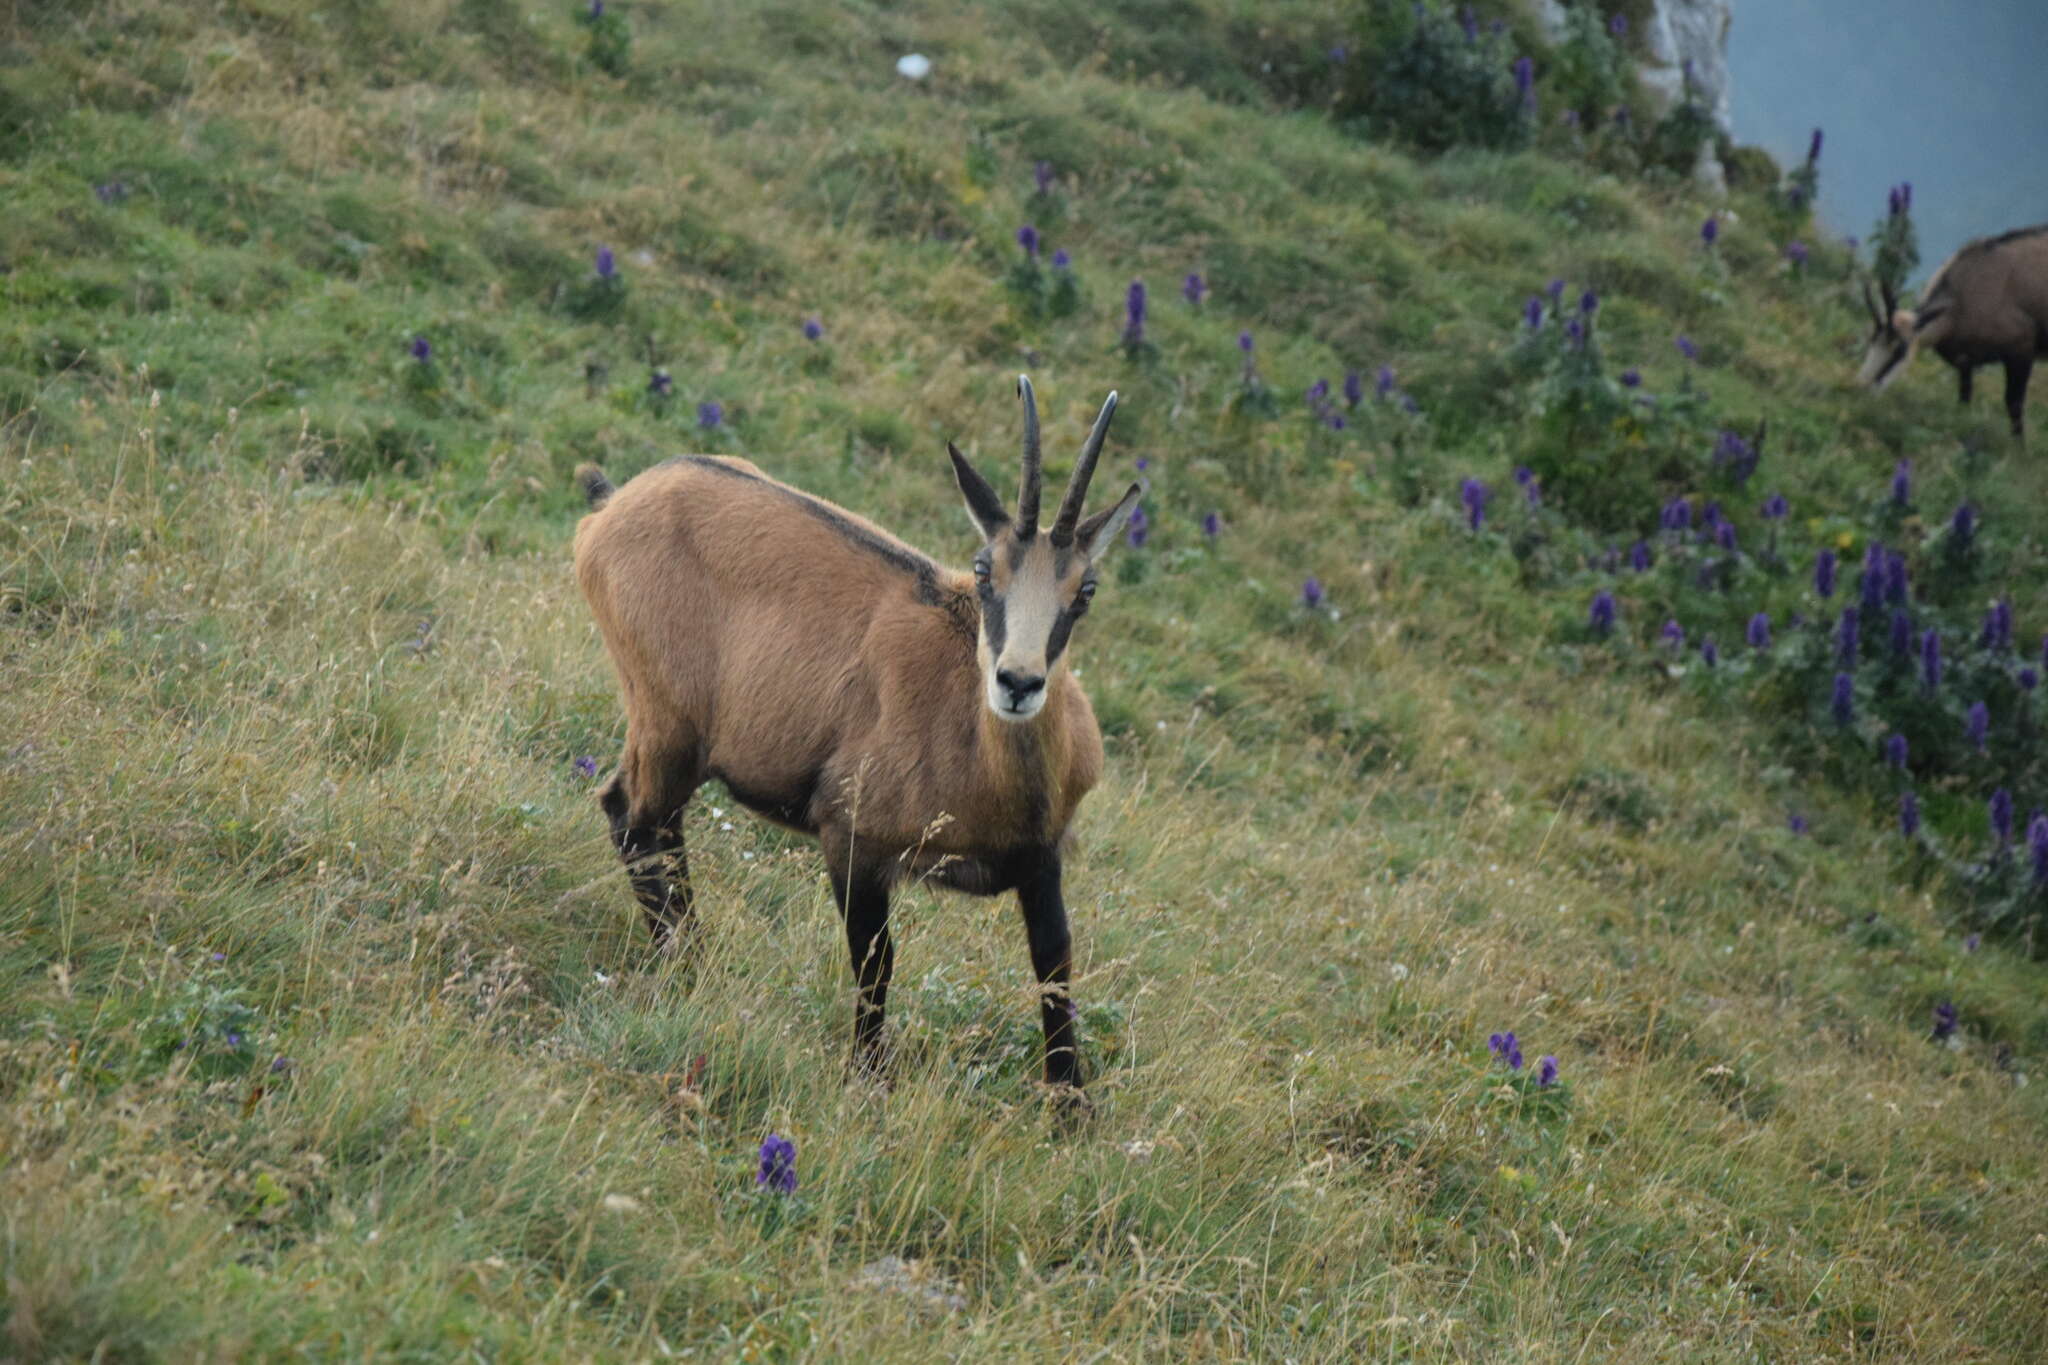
[
  {"x": 993, "y": 623},
  {"x": 1062, "y": 627},
  {"x": 896, "y": 556},
  {"x": 1898, "y": 354}
]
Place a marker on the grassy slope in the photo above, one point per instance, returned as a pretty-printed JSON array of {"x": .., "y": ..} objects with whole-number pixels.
[{"x": 296, "y": 675}]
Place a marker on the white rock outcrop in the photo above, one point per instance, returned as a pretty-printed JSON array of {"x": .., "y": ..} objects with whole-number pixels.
[{"x": 1680, "y": 31}]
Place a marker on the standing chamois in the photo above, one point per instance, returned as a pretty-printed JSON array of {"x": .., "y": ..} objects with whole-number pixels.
[
  {"x": 919, "y": 722},
  {"x": 1988, "y": 303}
]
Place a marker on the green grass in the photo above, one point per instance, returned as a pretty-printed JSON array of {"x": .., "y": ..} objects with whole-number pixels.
[{"x": 295, "y": 674}]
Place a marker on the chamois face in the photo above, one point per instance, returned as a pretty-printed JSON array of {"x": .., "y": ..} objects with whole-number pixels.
[
  {"x": 1035, "y": 584},
  {"x": 1886, "y": 352}
]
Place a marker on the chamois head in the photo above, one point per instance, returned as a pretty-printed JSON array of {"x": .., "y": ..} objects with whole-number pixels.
[
  {"x": 1034, "y": 583},
  {"x": 1890, "y": 344}
]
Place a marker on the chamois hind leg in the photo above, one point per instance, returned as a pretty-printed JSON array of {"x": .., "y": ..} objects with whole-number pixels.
[
  {"x": 644, "y": 802},
  {"x": 1045, "y": 924},
  {"x": 861, "y": 888},
  {"x": 2017, "y": 372},
  {"x": 1964, "y": 373}
]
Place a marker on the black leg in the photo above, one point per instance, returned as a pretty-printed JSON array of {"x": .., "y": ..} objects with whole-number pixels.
[
  {"x": 863, "y": 896},
  {"x": 652, "y": 847},
  {"x": 1045, "y": 922},
  {"x": 1963, "y": 376},
  {"x": 2016, "y": 374}
]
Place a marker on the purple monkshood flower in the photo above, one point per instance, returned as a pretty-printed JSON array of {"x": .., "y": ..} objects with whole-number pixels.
[
  {"x": 1194, "y": 289},
  {"x": 1474, "y": 495},
  {"x": 1061, "y": 260},
  {"x": 1892, "y": 204},
  {"x": 1686, "y": 347},
  {"x": 597, "y": 9},
  {"x": 1532, "y": 312},
  {"x": 1027, "y": 237},
  {"x": 1673, "y": 635},
  {"x": 1978, "y": 725},
  {"x": 1895, "y": 582},
  {"x": 1575, "y": 333},
  {"x": 1212, "y": 525},
  {"x": 1318, "y": 394},
  {"x": 1710, "y": 229},
  {"x": 1589, "y": 303},
  {"x": 1383, "y": 383},
  {"x": 1244, "y": 342},
  {"x": 1618, "y": 26},
  {"x": 2001, "y": 816},
  {"x": 1795, "y": 822},
  {"x": 1143, "y": 462},
  {"x": 1775, "y": 508},
  {"x": 1600, "y": 616},
  {"x": 1139, "y": 528},
  {"x": 1843, "y": 705},
  {"x": 2037, "y": 844},
  {"x": 1895, "y": 751},
  {"x": 1338, "y": 54},
  {"x": 1639, "y": 556},
  {"x": 1759, "y": 634},
  {"x": 1556, "y": 291},
  {"x": 1944, "y": 1020},
  {"x": 1870, "y": 582},
  {"x": 113, "y": 192},
  {"x": 422, "y": 350},
  {"x": 1795, "y": 252},
  {"x": 607, "y": 264},
  {"x": 2028, "y": 680},
  {"x": 1506, "y": 1047},
  {"x": 1354, "y": 388},
  {"x": 1546, "y": 1071},
  {"x": 1824, "y": 573},
  {"x": 1998, "y": 626},
  {"x": 1902, "y": 634},
  {"x": 586, "y": 766},
  {"x": 710, "y": 414},
  {"x": 778, "y": 1165},
  {"x": 1909, "y": 815},
  {"x": 1930, "y": 658},
  {"x": 814, "y": 330},
  {"x": 1710, "y": 653},
  {"x": 1042, "y": 176},
  {"x": 1902, "y": 483},
  {"x": 1134, "y": 315},
  {"x": 1677, "y": 515},
  {"x": 1813, "y": 149},
  {"x": 1631, "y": 378},
  {"x": 1525, "y": 79},
  {"x": 1724, "y": 535},
  {"x": 661, "y": 384},
  {"x": 1532, "y": 489},
  {"x": 1963, "y": 526},
  {"x": 1311, "y": 592},
  {"x": 217, "y": 957},
  {"x": 1972, "y": 942},
  {"x": 1469, "y": 22},
  {"x": 1848, "y": 637}
]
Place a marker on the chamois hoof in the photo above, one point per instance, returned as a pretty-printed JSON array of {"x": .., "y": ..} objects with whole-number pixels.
[{"x": 1071, "y": 1107}]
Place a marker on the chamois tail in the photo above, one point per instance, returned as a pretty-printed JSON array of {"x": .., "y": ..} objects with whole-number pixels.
[{"x": 597, "y": 489}]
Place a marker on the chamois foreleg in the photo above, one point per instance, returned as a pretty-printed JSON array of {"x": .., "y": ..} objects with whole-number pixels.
[
  {"x": 862, "y": 892},
  {"x": 1045, "y": 924},
  {"x": 644, "y": 803},
  {"x": 2018, "y": 369},
  {"x": 1964, "y": 371}
]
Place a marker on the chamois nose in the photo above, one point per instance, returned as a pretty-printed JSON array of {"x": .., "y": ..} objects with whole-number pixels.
[{"x": 1019, "y": 688}]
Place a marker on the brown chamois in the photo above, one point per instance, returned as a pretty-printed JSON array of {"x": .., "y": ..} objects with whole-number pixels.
[
  {"x": 1988, "y": 303},
  {"x": 919, "y": 722}
]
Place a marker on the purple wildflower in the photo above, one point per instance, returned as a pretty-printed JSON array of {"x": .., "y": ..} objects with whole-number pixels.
[
  {"x": 2028, "y": 680},
  {"x": 1998, "y": 626},
  {"x": 1212, "y": 525},
  {"x": 1506, "y": 1047},
  {"x": 586, "y": 766},
  {"x": 1617, "y": 26},
  {"x": 1546, "y": 1071},
  {"x": 1027, "y": 237},
  {"x": 1676, "y": 516},
  {"x": 660, "y": 383},
  {"x": 1631, "y": 378},
  {"x": 1710, "y": 653},
  {"x": 217, "y": 957},
  {"x": 607, "y": 264},
  {"x": 1042, "y": 176},
  {"x": 1909, "y": 814},
  {"x": 710, "y": 414},
  {"x": 1139, "y": 528},
  {"x": 2037, "y": 844},
  {"x": 1410, "y": 406},
  {"x": 1895, "y": 751},
  {"x": 1134, "y": 315},
  {"x": 1311, "y": 592},
  {"x": 113, "y": 192},
  {"x": 422, "y": 350},
  {"x": 1338, "y": 54},
  {"x": 1639, "y": 556},
  {"x": 814, "y": 330},
  {"x": 1589, "y": 303},
  {"x": 778, "y": 1165},
  {"x": 1474, "y": 495},
  {"x": 1944, "y": 1020},
  {"x": 1824, "y": 573},
  {"x": 1532, "y": 489},
  {"x": 1686, "y": 347},
  {"x": 1600, "y": 616},
  {"x": 1895, "y": 582},
  {"x": 1930, "y": 658},
  {"x": 1525, "y": 81},
  {"x": 1843, "y": 704},
  {"x": 1972, "y": 942},
  {"x": 2001, "y": 816},
  {"x": 1061, "y": 260},
  {"x": 1673, "y": 635},
  {"x": 280, "y": 1065},
  {"x": 1848, "y": 637},
  {"x": 1978, "y": 725},
  {"x": 1813, "y": 148},
  {"x": 597, "y": 9},
  {"x": 1532, "y": 312},
  {"x": 1892, "y": 205},
  {"x": 1902, "y": 483},
  {"x": 1759, "y": 634},
  {"x": 1870, "y": 582},
  {"x": 1469, "y": 22},
  {"x": 1775, "y": 507},
  {"x": 1575, "y": 333},
  {"x": 1318, "y": 393},
  {"x": 1710, "y": 229},
  {"x": 1244, "y": 342},
  {"x": 1902, "y": 634},
  {"x": 1193, "y": 289},
  {"x": 1795, "y": 822},
  {"x": 1354, "y": 388},
  {"x": 1963, "y": 526},
  {"x": 1795, "y": 252},
  {"x": 1724, "y": 535},
  {"x": 1556, "y": 291},
  {"x": 1383, "y": 382}
]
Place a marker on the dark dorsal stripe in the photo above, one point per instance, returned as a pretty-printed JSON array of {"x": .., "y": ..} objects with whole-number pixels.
[{"x": 897, "y": 556}]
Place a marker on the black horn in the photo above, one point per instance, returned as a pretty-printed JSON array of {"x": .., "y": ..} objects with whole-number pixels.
[
  {"x": 1027, "y": 492},
  {"x": 1870, "y": 303},
  {"x": 1084, "y": 470}
]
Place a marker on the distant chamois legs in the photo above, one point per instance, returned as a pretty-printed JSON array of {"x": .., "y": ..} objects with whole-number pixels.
[
  {"x": 2016, "y": 375},
  {"x": 647, "y": 830},
  {"x": 1045, "y": 923},
  {"x": 863, "y": 896}
]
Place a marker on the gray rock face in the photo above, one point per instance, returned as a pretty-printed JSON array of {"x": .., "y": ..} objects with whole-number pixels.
[{"x": 1696, "y": 32}]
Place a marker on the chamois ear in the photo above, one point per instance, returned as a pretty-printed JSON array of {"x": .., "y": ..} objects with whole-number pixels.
[
  {"x": 1096, "y": 534},
  {"x": 983, "y": 504}
]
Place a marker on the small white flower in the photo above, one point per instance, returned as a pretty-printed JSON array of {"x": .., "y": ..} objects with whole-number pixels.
[
  {"x": 914, "y": 65},
  {"x": 725, "y": 825},
  {"x": 747, "y": 857},
  {"x": 1399, "y": 971}
]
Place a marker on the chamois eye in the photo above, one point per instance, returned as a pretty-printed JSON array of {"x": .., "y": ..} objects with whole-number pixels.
[
  {"x": 1087, "y": 593},
  {"x": 981, "y": 572}
]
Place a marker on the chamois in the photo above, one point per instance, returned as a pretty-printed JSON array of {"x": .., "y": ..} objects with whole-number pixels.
[
  {"x": 1988, "y": 302},
  {"x": 919, "y": 722}
]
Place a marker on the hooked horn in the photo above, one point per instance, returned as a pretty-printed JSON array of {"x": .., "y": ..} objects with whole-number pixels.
[
  {"x": 1084, "y": 470},
  {"x": 1027, "y": 492},
  {"x": 1871, "y": 303}
]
